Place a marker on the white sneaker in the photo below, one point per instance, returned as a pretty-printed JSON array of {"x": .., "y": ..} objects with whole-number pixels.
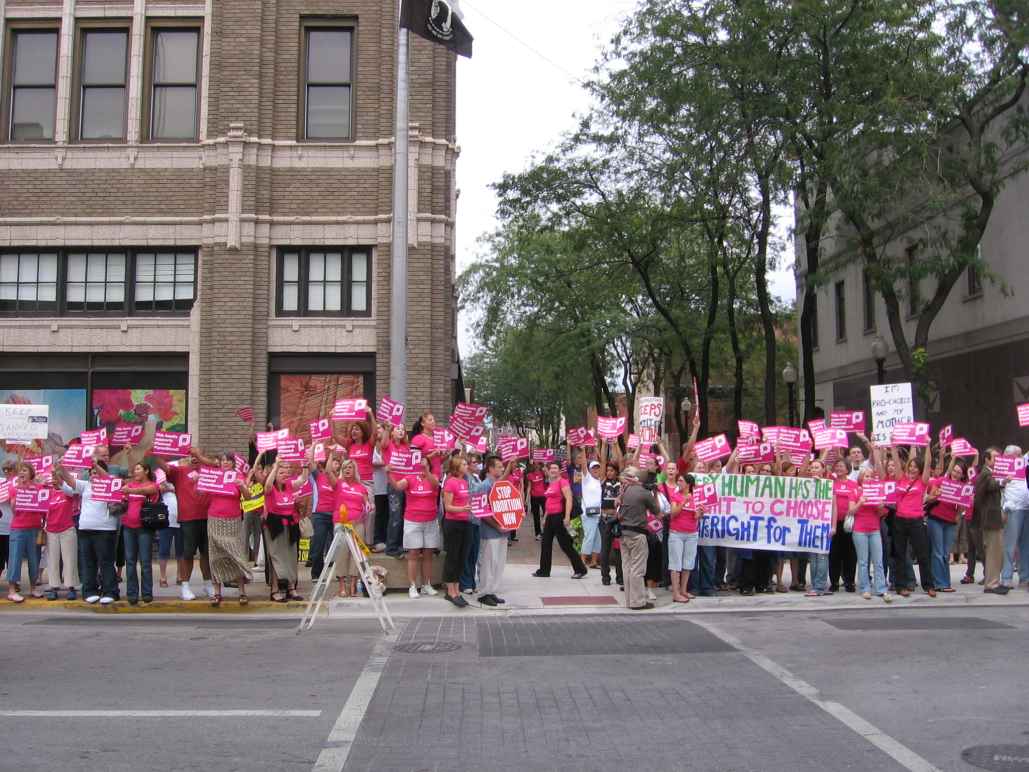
[
  {"x": 412, "y": 592},
  {"x": 469, "y": 591},
  {"x": 427, "y": 589},
  {"x": 651, "y": 596},
  {"x": 185, "y": 593},
  {"x": 887, "y": 597},
  {"x": 866, "y": 595},
  {"x": 209, "y": 589},
  {"x": 107, "y": 600},
  {"x": 93, "y": 599}
]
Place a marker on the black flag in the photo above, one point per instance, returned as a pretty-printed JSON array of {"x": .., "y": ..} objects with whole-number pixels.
[{"x": 435, "y": 20}]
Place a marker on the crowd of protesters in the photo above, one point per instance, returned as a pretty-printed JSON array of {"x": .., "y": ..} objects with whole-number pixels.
[{"x": 606, "y": 508}]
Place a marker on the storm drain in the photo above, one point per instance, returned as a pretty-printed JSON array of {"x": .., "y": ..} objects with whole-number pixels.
[
  {"x": 427, "y": 647},
  {"x": 999, "y": 758},
  {"x": 903, "y": 624},
  {"x": 593, "y": 635}
]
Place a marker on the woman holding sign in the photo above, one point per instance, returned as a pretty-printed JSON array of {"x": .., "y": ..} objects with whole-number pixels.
[
  {"x": 226, "y": 552},
  {"x": 418, "y": 495},
  {"x": 457, "y": 530},
  {"x": 682, "y": 532},
  {"x": 140, "y": 488},
  {"x": 395, "y": 443},
  {"x": 351, "y": 506},
  {"x": 909, "y": 523},
  {"x": 558, "y": 512},
  {"x": 867, "y": 540},
  {"x": 282, "y": 527},
  {"x": 25, "y": 527},
  {"x": 942, "y": 524}
]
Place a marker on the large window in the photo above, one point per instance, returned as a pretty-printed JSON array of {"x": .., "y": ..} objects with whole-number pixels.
[
  {"x": 327, "y": 82},
  {"x": 173, "y": 84},
  {"x": 83, "y": 282},
  {"x": 102, "y": 79},
  {"x": 841, "y": 310},
  {"x": 31, "y": 102},
  {"x": 324, "y": 282}
]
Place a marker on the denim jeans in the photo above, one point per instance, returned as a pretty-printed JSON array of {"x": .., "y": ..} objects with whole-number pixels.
[
  {"x": 1016, "y": 535},
  {"x": 606, "y": 549},
  {"x": 321, "y": 540},
  {"x": 941, "y": 541},
  {"x": 471, "y": 558},
  {"x": 869, "y": 547},
  {"x": 819, "y": 572},
  {"x": 395, "y": 527},
  {"x": 708, "y": 560},
  {"x": 139, "y": 544},
  {"x": 96, "y": 557},
  {"x": 22, "y": 545}
]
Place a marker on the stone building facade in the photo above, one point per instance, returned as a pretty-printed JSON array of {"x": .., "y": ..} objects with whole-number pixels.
[{"x": 196, "y": 197}]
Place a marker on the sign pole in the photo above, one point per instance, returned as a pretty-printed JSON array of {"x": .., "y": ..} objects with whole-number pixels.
[{"x": 398, "y": 256}]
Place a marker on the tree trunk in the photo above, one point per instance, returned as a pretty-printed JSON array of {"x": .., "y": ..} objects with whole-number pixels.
[
  {"x": 764, "y": 303},
  {"x": 709, "y": 336}
]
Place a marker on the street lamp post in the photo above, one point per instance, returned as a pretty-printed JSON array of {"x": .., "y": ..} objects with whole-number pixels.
[
  {"x": 879, "y": 354},
  {"x": 789, "y": 375},
  {"x": 686, "y": 405}
]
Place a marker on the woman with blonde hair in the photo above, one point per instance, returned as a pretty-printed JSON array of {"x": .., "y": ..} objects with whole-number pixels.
[{"x": 352, "y": 506}]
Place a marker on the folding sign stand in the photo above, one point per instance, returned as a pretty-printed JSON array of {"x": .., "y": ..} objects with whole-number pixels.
[{"x": 345, "y": 537}]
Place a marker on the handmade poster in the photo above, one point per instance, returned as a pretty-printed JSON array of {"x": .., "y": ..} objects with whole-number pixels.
[
  {"x": 892, "y": 404},
  {"x": 651, "y": 413},
  {"x": 24, "y": 423}
]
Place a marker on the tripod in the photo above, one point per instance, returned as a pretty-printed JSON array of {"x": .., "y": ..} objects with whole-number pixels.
[{"x": 345, "y": 538}]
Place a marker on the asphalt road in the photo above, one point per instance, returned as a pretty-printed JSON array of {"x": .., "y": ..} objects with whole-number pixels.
[{"x": 862, "y": 690}]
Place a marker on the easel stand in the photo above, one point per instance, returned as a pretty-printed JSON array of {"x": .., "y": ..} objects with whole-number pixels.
[{"x": 344, "y": 537}]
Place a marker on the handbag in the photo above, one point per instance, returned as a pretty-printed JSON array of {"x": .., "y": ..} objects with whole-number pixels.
[
  {"x": 848, "y": 524},
  {"x": 306, "y": 528},
  {"x": 153, "y": 515}
]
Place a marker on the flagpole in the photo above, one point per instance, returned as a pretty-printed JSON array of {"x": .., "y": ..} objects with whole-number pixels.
[{"x": 398, "y": 264}]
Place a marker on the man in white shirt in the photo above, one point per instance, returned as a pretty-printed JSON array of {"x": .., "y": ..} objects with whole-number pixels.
[{"x": 98, "y": 530}]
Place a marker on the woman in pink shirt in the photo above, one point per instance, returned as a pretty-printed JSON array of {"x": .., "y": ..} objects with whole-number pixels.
[
  {"x": 942, "y": 525},
  {"x": 868, "y": 541},
  {"x": 25, "y": 529},
  {"x": 352, "y": 506},
  {"x": 395, "y": 442},
  {"x": 360, "y": 441},
  {"x": 537, "y": 490},
  {"x": 421, "y": 530},
  {"x": 842, "y": 557},
  {"x": 62, "y": 544},
  {"x": 421, "y": 438},
  {"x": 457, "y": 507},
  {"x": 282, "y": 528},
  {"x": 139, "y": 541},
  {"x": 682, "y": 533},
  {"x": 909, "y": 525},
  {"x": 225, "y": 547},
  {"x": 557, "y": 509}
]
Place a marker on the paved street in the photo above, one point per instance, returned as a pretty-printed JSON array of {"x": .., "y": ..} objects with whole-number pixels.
[{"x": 863, "y": 689}]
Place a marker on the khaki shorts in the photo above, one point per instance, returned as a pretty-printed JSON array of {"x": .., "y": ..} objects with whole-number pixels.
[{"x": 421, "y": 536}]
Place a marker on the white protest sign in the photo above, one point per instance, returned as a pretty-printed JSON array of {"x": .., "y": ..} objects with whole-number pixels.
[
  {"x": 892, "y": 404},
  {"x": 652, "y": 411},
  {"x": 24, "y": 423}
]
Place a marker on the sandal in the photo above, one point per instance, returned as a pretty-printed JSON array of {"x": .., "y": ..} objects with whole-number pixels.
[
  {"x": 243, "y": 599},
  {"x": 294, "y": 596},
  {"x": 278, "y": 597},
  {"x": 967, "y": 580},
  {"x": 164, "y": 583},
  {"x": 216, "y": 600}
]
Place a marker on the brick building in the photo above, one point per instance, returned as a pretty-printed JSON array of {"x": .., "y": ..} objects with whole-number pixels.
[{"x": 195, "y": 210}]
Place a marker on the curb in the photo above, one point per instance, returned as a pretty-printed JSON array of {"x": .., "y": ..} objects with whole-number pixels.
[{"x": 122, "y": 607}]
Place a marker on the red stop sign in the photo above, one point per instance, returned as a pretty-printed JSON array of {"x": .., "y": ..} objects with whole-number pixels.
[{"x": 506, "y": 502}]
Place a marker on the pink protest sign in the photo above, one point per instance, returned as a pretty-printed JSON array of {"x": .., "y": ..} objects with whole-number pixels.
[
  {"x": 513, "y": 447},
  {"x": 972, "y": 474},
  {"x": 633, "y": 442},
  {"x": 798, "y": 457},
  {"x": 405, "y": 461},
  {"x": 946, "y": 436},
  {"x": 443, "y": 439},
  {"x": 654, "y": 524},
  {"x": 705, "y": 496},
  {"x": 481, "y": 446},
  {"x": 762, "y": 453},
  {"x": 291, "y": 450},
  {"x": 78, "y": 457},
  {"x": 543, "y": 455},
  {"x": 41, "y": 465},
  {"x": 480, "y": 505},
  {"x": 351, "y": 409},
  {"x": 321, "y": 429},
  {"x": 466, "y": 430},
  {"x": 713, "y": 448},
  {"x": 1008, "y": 467},
  {"x": 790, "y": 440},
  {"x": 771, "y": 434},
  {"x": 390, "y": 412},
  {"x": 33, "y": 499},
  {"x": 515, "y": 478},
  {"x": 830, "y": 438},
  {"x": 94, "y": 437},
  {"x": 916, "y": 434},
  {"x": 172, "y": 444},
  {"x": 611, "y": 428},
  {"x": 5, "y": 491},
  {"x": 127, "y": 434},
  {"x": 1023, "y": 414},
  {"x": 816, "y": 425},
  {"x": 877, "y": 492},
  {"x": 849, "y": 421},
  {"x": 647, "y": 460},
  {"x": 748, "y": 430},
  {"x": 960, "y": 447},
  {"x": 219, "y": 481},
  {"x": 270, "y": 440},
  {"x": 957, "y": 493},
  {"x": 107, "y": 489},
  {"x": 470, "y": 413},
  {"x": 318, "y": 451},
  {"x": 581, "y": 437}
]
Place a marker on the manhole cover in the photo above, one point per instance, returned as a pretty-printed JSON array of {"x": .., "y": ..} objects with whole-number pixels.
[
  {"x": 427, "y": 647},
  {"x": 1000, "y": 758}
]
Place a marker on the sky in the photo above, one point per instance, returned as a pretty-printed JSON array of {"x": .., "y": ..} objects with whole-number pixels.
[{"x": 519, "y": 93}]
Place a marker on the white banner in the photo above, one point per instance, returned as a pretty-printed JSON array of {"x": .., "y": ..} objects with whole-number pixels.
[
  {"x": 24, "y": 423},
  {"x": 891, "y": 405}
]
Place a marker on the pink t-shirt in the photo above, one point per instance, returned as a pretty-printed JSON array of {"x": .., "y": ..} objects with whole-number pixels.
[
  {"x": 420, "y": 500},
  {"x": 686, "y": 520},
  {"x": 131, "y": 518},
  {"x": 426, "y": 445},
  {"x": 555, "y": 504},
  {"x": 893, "y": 498},
  {"x": 25, "y": 518},
  {"x": 866, "y": 518},
  {"x": 361, "y": 455},
  {"x": 458, "y": 489},
  {"x": 62, "y": 511},
  {"x": 326, "y": 494},
  {"x": 352, "y": 495},
  {"x": 942, "y": 510},
  {"x": 537, "y": 484},
  {"x": 224, "y": 506},
  {"x": 280, "y": 502},
  {"x": 845, "y": 492},
  {"x": 910, "y": 496},
  {"x": 391, "y": 449}
]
